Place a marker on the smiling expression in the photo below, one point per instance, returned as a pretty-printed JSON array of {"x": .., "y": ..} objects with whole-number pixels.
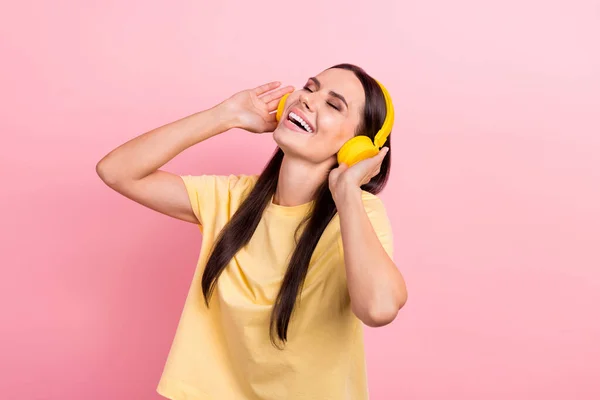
[{"x": 319, "y": 118}]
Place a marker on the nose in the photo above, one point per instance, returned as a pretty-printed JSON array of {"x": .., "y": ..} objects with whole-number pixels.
[{"x": 306, "y": 101}]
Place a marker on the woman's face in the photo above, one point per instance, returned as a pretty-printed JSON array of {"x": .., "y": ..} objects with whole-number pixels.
[{"x": 330, "y": 106}]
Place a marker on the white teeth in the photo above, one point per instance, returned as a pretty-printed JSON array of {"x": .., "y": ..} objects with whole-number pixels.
[{"x": 302, "y": 122}]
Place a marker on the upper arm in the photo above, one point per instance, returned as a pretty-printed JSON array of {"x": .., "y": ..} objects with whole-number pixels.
[
  {"x": 161, "y": 191},
  {"x": 380, "y": 221}
]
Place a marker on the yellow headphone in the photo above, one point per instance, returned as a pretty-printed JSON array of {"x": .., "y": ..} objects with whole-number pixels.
[{"x": 359, "y": 147}]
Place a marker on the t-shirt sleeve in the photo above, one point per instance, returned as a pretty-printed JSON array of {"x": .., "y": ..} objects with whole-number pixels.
[
  {"x": 381, "y": 223},
  {"x": 212, "y": 195}
]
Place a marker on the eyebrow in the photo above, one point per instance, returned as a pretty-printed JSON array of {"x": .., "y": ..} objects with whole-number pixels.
[{"x": 331, "y": 92}]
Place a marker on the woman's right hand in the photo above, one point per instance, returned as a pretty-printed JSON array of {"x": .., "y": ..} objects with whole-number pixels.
[{"x": 252, "y": 108}]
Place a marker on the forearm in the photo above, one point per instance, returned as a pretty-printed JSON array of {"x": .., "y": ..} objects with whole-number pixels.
[
  {"x": 146, "y": 153},
  {"x": 376, "y": 286}
]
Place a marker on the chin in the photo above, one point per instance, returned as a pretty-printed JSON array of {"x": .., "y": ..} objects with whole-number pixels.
[
  {"x": 298, "y": 145},
  {"x": 288, "y": 140},
  {"x": 277, "y": 138}
]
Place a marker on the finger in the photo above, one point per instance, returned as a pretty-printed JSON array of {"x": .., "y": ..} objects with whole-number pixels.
[
  {"x": 369, "y": 164},
  {"x": 272, "y": 105},
  {"x": 342, "y": 167},
  {"x": 377, "y": 172},
  {"x": 271, "y": 117},
  {"x": 377, "y": 160},
  {"x": 334, "y": 173},
  {"x": 377, "y": 166},
  {"x": 266, "y": 87},
  {"x": 373, "y": 173},
  {"x": 276, "y": 95},
  {"x": 382, "y": 153}
]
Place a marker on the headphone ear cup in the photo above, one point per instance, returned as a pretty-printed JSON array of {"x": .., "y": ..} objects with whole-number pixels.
[
  {"x": 357, "y": 149},
  {"x": 280, "y": 107}
]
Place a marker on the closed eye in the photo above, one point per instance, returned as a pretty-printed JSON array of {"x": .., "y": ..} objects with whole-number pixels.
[{"x": 331, "y": 104}]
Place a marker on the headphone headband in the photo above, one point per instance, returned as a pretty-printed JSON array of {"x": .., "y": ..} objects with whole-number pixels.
[{"x": 388, "y": 122}]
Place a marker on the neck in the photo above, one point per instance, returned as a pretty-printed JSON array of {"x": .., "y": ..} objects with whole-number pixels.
[{"x": 298, "y": 181}]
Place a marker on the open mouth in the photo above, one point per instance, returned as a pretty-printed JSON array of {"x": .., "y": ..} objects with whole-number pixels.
[{"x": 299, "y": 122}]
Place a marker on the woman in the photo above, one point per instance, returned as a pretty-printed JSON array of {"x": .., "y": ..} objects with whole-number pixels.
[{"x": 293, "y": 260}]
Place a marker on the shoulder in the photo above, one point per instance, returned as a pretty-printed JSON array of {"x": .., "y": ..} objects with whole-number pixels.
[
  {"x": 373, "y": 203},
  {"x": 378, "y": 216},
  {"x": 375, "y": 210},
  {"x": 239, "y": 182},
  {"x": 368, "y": 196},
  {"x": 221, "y": 183},
  {"x": 377, "y": 213},
  {"x": 213, "y": 195}
]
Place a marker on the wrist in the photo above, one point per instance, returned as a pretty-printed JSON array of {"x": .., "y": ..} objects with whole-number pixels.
[
  {"x": 225, "y": 116},
  {"x": 348, "y": 198}
]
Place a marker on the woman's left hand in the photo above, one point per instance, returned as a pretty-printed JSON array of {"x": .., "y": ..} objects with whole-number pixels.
[{"x": 344, "y": 179}]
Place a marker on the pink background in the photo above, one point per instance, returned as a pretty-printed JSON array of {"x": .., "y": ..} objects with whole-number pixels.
[{"x": 494, "y": 194}]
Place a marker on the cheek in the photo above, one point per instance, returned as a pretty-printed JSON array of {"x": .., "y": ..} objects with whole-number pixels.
[
  {"x": 328, "y": 144},
  {"x": 336, "y": 130},
  {"x": 343, "y": 134}
]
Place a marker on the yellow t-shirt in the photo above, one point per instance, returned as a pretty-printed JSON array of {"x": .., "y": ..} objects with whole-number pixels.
[{"x": 224, "y": 352}]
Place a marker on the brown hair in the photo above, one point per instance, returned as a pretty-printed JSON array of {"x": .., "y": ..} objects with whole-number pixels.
[{"x": 239, "y": 230}]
